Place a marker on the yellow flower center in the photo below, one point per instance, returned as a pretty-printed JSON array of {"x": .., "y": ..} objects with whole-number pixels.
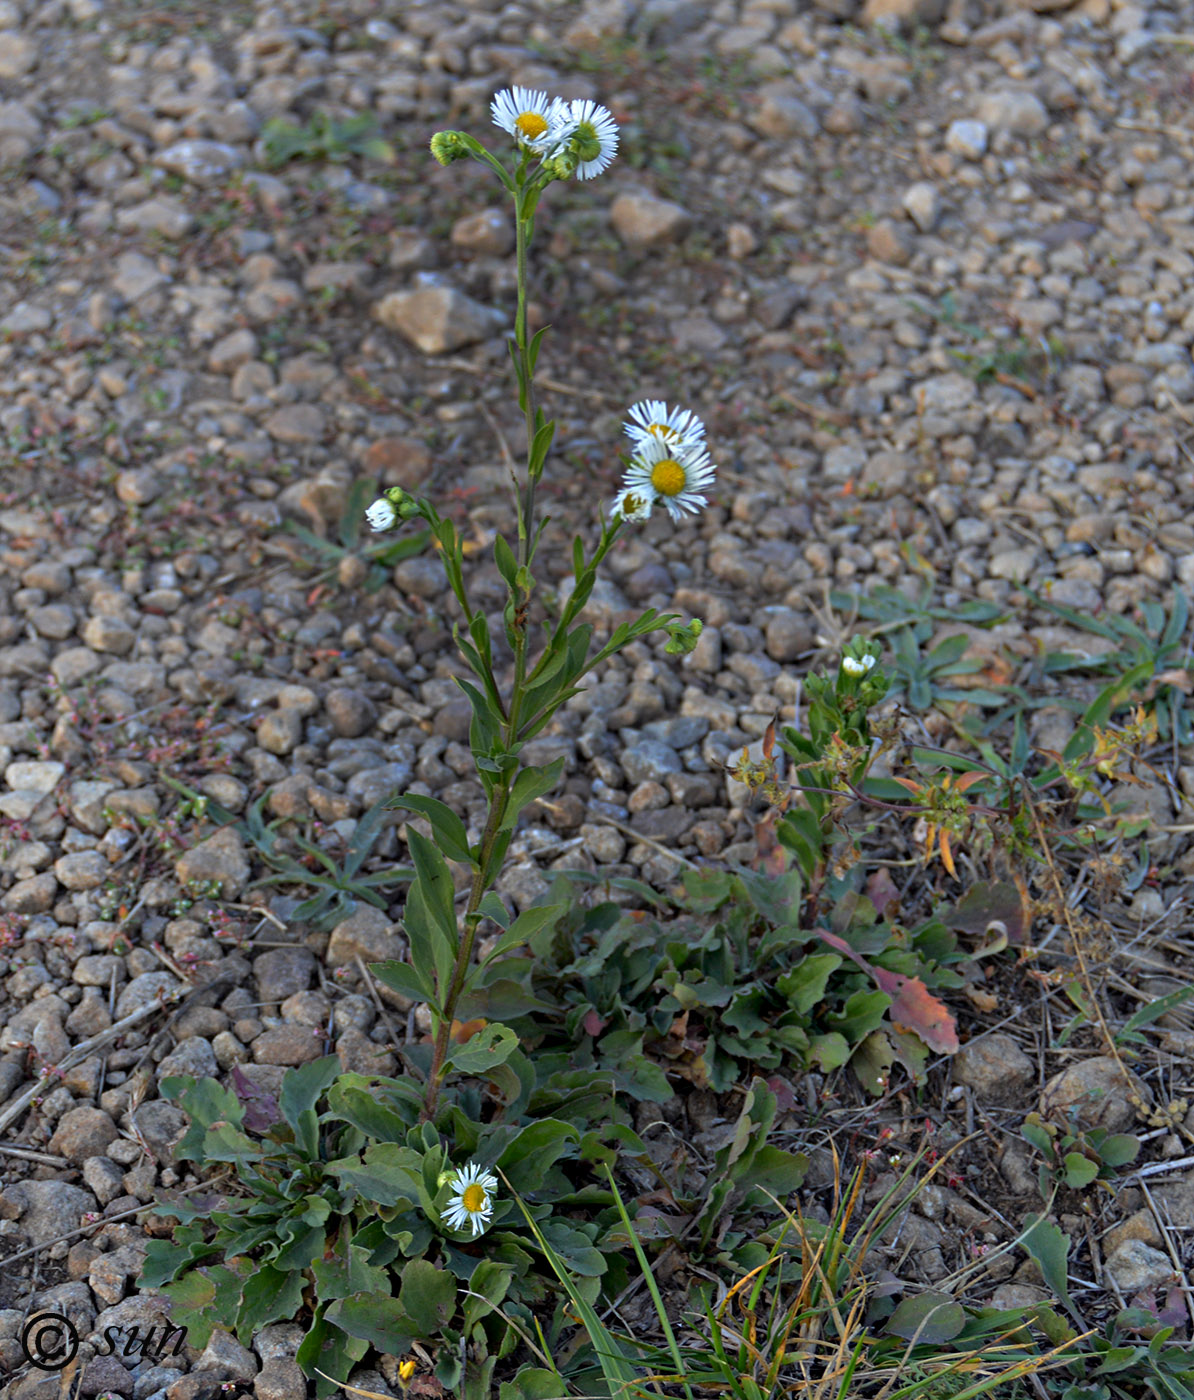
[
  {"x": 668, "y": 477},
  {"x": 587, "y": 142},
  {"x": 663, "y": 431},
  {"x": 474, "y": 1199},
  {"x": 531, "y": 124}
]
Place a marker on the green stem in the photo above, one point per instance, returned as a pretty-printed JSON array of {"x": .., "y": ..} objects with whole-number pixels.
[{"x": 522, "y": 227}]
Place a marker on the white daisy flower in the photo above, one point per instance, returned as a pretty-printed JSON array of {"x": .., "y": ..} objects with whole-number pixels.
[
  {"x": 652, "y": 418},
  {"x": 381, "y": 515},
  {"x": 632, "y": 505},
  {"x": 535, "y": 120},
  {"x": 472, "y": 1202},
  {"x": 592, "y": 133},
  {"x": 857, "y": 666},
  {"x": 677, "y": 473}
]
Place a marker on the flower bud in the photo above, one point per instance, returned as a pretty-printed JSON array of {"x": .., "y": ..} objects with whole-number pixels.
[
  {"x": 684, "y": 637},
  {"x": 381, "y": 515},
  {"x": 447, "y": 146}
]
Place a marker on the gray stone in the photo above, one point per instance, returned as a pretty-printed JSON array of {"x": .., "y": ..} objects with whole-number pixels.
[
  {"x": 438, "y": 320},
  {"x": 967, "y": 139},
  {"x": 225, "y": 1355},
  {"x": 1095, "y": 1093},
  {"x": 1013, "y": 109},
  {"x": 48, "y": 1209},
  {"x": 644, "y": 221},
  {"x": 280, "y": 1379},
  {"x": 192, "y": 1056},
  {"x": 287, "y": 1045},
  {"x": 30, "y": 775},
  {"x": 296, "y": 423},
  {"x": 368, "y": 934},
  {"x": 922, "y": 203},
  {"x": 351, "y": 712},
  {"x": 84, "y": 870},
  {"x": 489, "y": 233},
  {"x": 25, "y": 318},
  {"x": 220, "y": 858},
  {"x": 18, "y": 54},
  {"x": 649, "y": 760},
  {"x": 281, "y": 972},
  {"x": 232, "y": 351},
  {"x": 996, "y": 1068},
  {"x": 149, "y": 986},
  {"x": 201, "y": 162},
  {"x": 1134, "y": 1265},
  {"x": 109, "y": 634},
  {"x": 280, "y": 731},
  {"x": 137, "y": 276},
  {"x": 372, "y": 784},
  {"x": 158, "y": 215},
  {"x": 161, "y": 1125},
  {"x": 782, "y": 115}
]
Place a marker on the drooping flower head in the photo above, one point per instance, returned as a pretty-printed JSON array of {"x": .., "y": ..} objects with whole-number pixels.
[
  {"x": 592, "y": 134},
  {"x": 651, "y": 418},
  {"x": 678, "y": 473},
  {"x": 535, "y": 120},
  {"x": 633, "y": 505},
  {"x": 471, "y": 1203}
]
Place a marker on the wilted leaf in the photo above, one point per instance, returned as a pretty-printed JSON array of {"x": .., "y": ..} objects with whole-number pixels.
[
  {"x": 872, "y": 1063},
  {"x": 882, "y": 892},
  {"x": 989, "y": 903},
  {"x": 261, "y": 1107}
]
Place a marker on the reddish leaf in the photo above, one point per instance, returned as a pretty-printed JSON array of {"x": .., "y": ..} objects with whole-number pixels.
[
  {"x": 785, "y": 1098},
  {"x": 915, "y": 1008},
  {"x": 882, "y": 892},
  {"x": 463, "y": 1031},
  {"x": 593, "y": 1022}
]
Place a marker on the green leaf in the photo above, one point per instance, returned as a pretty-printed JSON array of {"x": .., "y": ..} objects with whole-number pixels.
[
  {"x": 403, "y": 978},
  {"x": 359, "y": 1106},
  {"x": 490, "y": 1047},
  {"x": 428, "y": 1295},
  {"x": 389, "y": 1174},
  {"x": 529, "y": 922},
  {"x": 533, "y": 1383},
  {"x": 532, "y": 782},
  {"x": 507, "y": 564},
  {"x": 533, "y": 347},
  {"x": 540, "y": 446},
  {"x": 492, "y": 907},
  {"x": 1154, "y": 1010},
  {"x": 927, "y": 1318},
  {"x": 269, "y": 1295},
  {"x": 370, "y": 1319},
  {"x": 340, "y": 1276},
  {"x": 1079, "y": 1170},
  {"x": 804, "y": 986},
  {"x": 449, "y": 829},
  {"x": 1119, "y": 1149},
  {"x": 301, "y": 1090},
  {"x": 1050, "y": 1247}
]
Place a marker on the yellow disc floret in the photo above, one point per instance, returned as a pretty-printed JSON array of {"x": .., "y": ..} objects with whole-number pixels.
[
  {"x": 474, "y": 1199},
  {"x": 531, "y": 125},
  {"x": 668, "y": 477}
]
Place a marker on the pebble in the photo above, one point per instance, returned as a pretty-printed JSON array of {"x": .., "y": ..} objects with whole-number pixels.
[
  {"x": 644, "y": 221},
  {"x": 438, "y": 320},
  {"x": 967, "y": 139}
]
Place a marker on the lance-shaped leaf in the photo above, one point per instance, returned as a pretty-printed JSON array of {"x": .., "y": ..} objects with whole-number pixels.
[
  {"x": 490, "y": 1047},
  {"x": 532, "y": 782},
  {"x": 449, "y": 829},
  {"x": 406, "y": 978},
  {"x": 530, "y": 921}
]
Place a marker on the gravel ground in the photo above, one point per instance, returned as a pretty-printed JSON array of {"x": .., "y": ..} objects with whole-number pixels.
[{"x": 926, "y": 275}]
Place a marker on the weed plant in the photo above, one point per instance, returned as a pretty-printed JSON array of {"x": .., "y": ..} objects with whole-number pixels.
[{"x": 470, "y": 1206}]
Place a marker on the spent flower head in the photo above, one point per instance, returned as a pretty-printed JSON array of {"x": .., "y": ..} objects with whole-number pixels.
[
  {"x": 472, "y": 1200},
  {"x": 535, "y": 120},
  {"x": 651, "y": 418},
  {"x": 678, "y": 473}
]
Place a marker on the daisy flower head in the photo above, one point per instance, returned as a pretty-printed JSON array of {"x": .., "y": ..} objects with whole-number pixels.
[
  {"x": 633, "y": 505},
  {"x": 592, "y": 133},
  {"x": 676, "y": 473},
  {"x": 652, "y": 418},
  {"x": 471, "y": 1202},
  {"x": 532, "y": 118}
]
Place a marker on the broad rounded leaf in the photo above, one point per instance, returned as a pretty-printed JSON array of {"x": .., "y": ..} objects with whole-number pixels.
[{"x": 930, "y": 1317}]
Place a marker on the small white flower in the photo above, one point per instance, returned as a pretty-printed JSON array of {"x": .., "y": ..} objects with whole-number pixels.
[
  {"x": 381, "y": 515},
  {"x": 592, "y": 133},
  {"x": 652, "y": 418},
  {"x": 535, "y": 120},
  {"x": 677, "y": 473},
  {"x": 857, "y": 667},
  {"x": 472, "y": 1201}
]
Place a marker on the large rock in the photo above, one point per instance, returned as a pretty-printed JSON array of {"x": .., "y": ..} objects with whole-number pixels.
[
  {"x": 644, "y": 221},
  {"x": 438, "y": 320},
  {"x": 995, "y": 1068},
  {"x": 220, "y": 858},
  {"x": 368, "y": 934},
  {"x": 1094, "y": 1093}
]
